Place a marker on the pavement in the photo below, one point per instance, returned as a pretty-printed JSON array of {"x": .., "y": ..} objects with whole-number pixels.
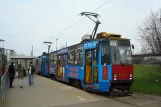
[{"x": 50, "y": 93}]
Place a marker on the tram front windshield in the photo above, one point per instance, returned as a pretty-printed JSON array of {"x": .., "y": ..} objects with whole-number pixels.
[{"x": 119, "y": 50}]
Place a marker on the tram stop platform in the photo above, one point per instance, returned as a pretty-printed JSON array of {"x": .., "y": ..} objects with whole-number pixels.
[
  {"x": 50, "y": 93},
  {"x": 45, "y": 93}
]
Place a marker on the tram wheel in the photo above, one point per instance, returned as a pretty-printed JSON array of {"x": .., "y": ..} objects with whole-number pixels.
[{"x": 73, "y": 83}]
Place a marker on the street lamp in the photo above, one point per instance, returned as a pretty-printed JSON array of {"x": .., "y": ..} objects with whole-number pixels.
[{"x": 1, "y": 40}]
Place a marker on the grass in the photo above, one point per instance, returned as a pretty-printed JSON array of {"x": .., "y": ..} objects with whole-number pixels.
[{"x": 145, "y": 80}]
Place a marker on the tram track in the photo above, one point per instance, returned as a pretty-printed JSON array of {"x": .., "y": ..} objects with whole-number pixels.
[
  {"x": 132, "y": 96},
  {"x": 119, "y": 98},
  {"x": 106, "y": 96},
  {"x": 147, "y": 98},
  {"x": 126, "y": 102}
]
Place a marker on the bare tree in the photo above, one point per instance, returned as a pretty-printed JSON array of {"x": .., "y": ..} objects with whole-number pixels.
[
  {"x": 150, "y": 36},
  {"x": 150, "y": 33}
]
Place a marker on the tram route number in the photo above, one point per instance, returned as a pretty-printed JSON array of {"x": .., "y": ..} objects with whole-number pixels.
[{"x": 113, "y": 43}]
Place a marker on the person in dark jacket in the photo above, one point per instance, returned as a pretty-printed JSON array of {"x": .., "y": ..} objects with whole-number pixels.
[
  {"x": 20, "y": 71},
  {"x": 11, "y": 71},
  {"x": 31, "y": 72}
]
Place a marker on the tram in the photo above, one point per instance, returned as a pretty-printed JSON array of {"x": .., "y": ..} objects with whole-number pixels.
[
  {"x": 41, "y": 64},
  {"x": 101, "y": 64}
]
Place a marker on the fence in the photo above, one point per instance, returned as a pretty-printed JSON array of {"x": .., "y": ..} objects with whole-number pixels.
[
  {"x": 152, "y": 59},
  {"x": 4, "y": 86}
]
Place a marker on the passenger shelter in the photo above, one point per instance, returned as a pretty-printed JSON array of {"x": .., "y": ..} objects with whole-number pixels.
[{"x": 24, "y": 60}]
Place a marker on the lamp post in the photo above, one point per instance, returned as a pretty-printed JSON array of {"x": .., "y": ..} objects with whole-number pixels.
[
  {"x": 56, "y": 44},
  {"x": 56, "y": 39}
]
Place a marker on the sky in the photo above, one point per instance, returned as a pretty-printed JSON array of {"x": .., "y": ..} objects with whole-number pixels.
[{"x": 24, "y": 23}]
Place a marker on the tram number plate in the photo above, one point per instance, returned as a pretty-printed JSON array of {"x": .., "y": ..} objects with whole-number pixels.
[{"x": 104, "y": 78}]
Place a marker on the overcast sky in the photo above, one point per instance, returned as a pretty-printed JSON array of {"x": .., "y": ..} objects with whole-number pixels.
[{"x": 24, "y": 23}]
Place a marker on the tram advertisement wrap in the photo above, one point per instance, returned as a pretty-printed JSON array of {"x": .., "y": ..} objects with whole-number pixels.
[{"x": 52, "y": 69}]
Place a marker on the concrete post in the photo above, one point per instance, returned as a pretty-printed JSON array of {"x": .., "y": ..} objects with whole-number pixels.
[{"x": 26, "y": 63}]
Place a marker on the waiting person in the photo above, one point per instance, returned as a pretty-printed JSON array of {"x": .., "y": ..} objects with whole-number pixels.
[
  {"x": 11, "y": 71},
  {"x": 20, "y": 71},
  {"x": 31, "y": 71}
]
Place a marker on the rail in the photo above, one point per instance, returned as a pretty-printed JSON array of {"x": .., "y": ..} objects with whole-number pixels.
[{"x": 4, "y": 86}]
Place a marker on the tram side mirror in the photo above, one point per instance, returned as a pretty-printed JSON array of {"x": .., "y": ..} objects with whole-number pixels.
[{"x": 133, "y": 47}]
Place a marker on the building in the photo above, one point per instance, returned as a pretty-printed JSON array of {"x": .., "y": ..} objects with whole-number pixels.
[{"x": 9, "y": 53}]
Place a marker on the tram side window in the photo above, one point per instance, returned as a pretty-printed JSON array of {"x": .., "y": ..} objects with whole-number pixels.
[
  {"x": 58, "y": 59},
  {"x": 80, "y": 56},
  {"x": 63, "y": 59},
  {"x": 105, "y": 54},
  {"x": 71, "y": 57},
  {"x": 77, "y": 57},
  {"x": 89, "y": 57},
  {"x": 54, "y": 59},
  {"x": 51, "y": 59},
  {"x": 95, "y": 57}
]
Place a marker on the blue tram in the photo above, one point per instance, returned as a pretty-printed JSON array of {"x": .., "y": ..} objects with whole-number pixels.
[
  {"x": 102, "y": 64},
  {"x": 41, "y": 64}
]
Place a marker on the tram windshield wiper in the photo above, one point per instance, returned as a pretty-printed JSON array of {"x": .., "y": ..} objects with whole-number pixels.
[
  {"x": 122, "y": 64},
  {"x": 115, "y": 54}
]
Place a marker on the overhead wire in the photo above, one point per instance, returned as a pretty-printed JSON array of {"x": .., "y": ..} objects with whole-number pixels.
[
  {"x": 83, "y": 18},
  {"x": 101, "y": 5}
]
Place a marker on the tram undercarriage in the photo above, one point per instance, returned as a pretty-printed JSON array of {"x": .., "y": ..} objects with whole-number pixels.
[{"x": 120, "y": 87}]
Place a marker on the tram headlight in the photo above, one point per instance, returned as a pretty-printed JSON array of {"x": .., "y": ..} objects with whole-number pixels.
[
  {"x": 115, "y": 75},
  {"x": 130, "y": 75}
]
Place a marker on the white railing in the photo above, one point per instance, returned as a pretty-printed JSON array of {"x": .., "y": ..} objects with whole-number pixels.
[{"x": 4, "y": 86}]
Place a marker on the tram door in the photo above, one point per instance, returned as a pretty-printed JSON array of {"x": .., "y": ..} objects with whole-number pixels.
[
  {"x": 43, "y": 67},
  {"x": 91, "y": 67},
  {"x": 58, "y": 66},
  {"x": 61, "y": 64}
]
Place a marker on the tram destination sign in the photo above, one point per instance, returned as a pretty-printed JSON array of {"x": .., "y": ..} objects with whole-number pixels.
[{"x": 90, "y": 45}]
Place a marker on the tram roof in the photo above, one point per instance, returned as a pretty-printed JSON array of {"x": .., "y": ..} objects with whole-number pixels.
[{"x": 23, "y": 57}]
